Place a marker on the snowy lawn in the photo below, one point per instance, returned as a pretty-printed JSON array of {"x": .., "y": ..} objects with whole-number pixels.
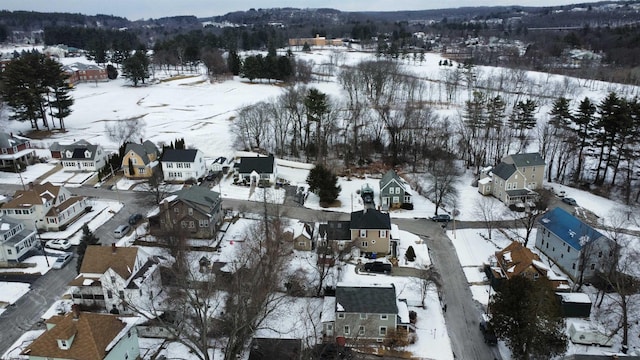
[{"x": 10, "y": 292}]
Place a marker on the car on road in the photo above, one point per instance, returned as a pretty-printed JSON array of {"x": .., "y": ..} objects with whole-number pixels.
[
  {"x": 377, "y": 267},
  {"x": 121, "y": 231},
  {"x": 561, "y": 193},
  {"x": 570, "y": 201},
  {"x": 441, "y": 218},
  {"x": 133, "y": 219},
  {"x": 58, "y": 244},
  {"x": 487, "y": 333},
  {"x": 62, "y": 260}
]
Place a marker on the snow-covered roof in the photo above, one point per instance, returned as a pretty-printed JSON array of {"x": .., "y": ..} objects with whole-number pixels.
[
  {"x": 576, "y": 297},
  {"x": 484, "y": 181}
]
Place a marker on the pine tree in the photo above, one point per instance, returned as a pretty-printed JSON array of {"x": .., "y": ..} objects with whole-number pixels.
[
  {"x": 324, "y": 183},
  {"x": 584, "y": 122},
  {"x": 88, "y": 238},
  {"x": 526, "y": 314},
  {"x": 410, "y": 254},
  {"x": 136, "y": 68}
]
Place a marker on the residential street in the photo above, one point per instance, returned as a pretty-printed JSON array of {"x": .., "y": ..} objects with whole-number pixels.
[{"x": 462, "y": 315}]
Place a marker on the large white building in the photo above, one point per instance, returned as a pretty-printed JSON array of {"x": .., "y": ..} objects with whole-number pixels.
[{"x": 180, "y": 165}]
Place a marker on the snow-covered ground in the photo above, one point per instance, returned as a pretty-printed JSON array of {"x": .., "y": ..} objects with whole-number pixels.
[
  {"x": 201, "y": 113},
  {"x": 10, "y": 292}
]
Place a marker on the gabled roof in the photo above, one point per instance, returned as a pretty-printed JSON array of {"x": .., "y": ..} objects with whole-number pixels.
[
  {"x": 528, "y": 159},
  {"x": 568, "y": 228},
  {"x": 79, "y": 150},
  {"x": 366, "y": 299},
  {"x": 142, "y": 150},
  {"x": 335, "y": 230},
  {"x": 93, "y": 335},
  {"x": 515, "y": 258},
  {"x": 504, "y": 170},
  {"x": 370, "y": 219},
  {"x": 34, "y": 196},
  {"x": 261, "y": 165},
  {"x": 98, "y": 259},
  {"x": 8, "y": 140},
  {"x": 179, "y": 155},
  {"x": 198, "y": 195},
  {"x": 390, "y": 176}
]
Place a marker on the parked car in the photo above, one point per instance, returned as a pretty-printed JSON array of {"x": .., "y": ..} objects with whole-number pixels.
[
  {"x": 62, "y": 260},
  {"x": 58, "y": 244},
  {"x": 133, "y": 219},
  {"x": 561, "y": 193},
  {"x": 570, "y": 201},
  {"x": 487, "y": 333},
  {"x": 377, "y": 267},
  {"x": 441, "y": 218},
  {"x": 121, "y": 231}
]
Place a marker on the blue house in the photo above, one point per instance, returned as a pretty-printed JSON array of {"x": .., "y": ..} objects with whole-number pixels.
[{"x": 577, "y": 248}]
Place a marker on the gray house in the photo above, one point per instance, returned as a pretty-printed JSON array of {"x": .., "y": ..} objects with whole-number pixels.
[
  {"x": 572, "y": 244},
  {"x": 393, "y": 191},
  {"x": 365, "y": 314}
]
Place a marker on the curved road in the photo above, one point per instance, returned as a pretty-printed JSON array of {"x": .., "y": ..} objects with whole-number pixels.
[{"x": 461, "y": 317}]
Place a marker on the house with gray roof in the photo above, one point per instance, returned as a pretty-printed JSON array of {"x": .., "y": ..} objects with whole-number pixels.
[
  {"x": 16, "y": 152},
  {"x": 394, "y": 191},
  {"x": 195, "y": 211},
  {"x": 140, "y": 160},
  {"x": 259, "y": 170},
  {"x": 365, "y": 313},
  {"x": 80, "y": 156},
  {"x": 515, "y": 179},
  {"x": 574, "y": 246},
  {"x": 371, "y": 231},
  {"x": 179, "y": 165},
  {"x": 16, "y": 240}
]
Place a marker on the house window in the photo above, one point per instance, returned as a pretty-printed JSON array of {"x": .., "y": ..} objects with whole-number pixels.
[
  {"x": 365, "y": 244},
  {"x": 547, "y": 245},
  {"x": 113, "y": 279},
  {"x": 568, "y": 248},
  {"x": 109, "y": 294},
  {"x": 361, "y": 330},
  {"x": 121, "y": 294},
  {"x": 301, "y": 243},
  {"x": 373, "y": 242},
  {"x": 203, "y": 223},
  {"x": 383, "y": 331},
  {"x": 542, "y": 243},
  {"x": 340, "y": 316},
  {"x": 176, "y": 210},
  {"x": 593, "y": 266},
  {"x": 396, "y": 199},
  {"x": 383, "y": 233},
  {"x": 192, "y": 224},
  {"x": 141, "y": 170},
  {"x": 363, "y": 316},
  {"x": 190, "y": 211},
  {"x": 392, "y": 190},
  {"x": 573, "y": 266},
  {"x": 346, "y": 330},
  {"x": 183, "y": 224},
  {"x": 384, "y": 317},
  {"x": 600, "y": 254},
  {"x": 363, "y": 233}
]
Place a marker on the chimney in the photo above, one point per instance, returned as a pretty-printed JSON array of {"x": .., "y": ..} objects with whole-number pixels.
[
  {"x": 113, "y": 248},
  {"x": 141, "y": 142},
  {"x": 75, "y": 309}
]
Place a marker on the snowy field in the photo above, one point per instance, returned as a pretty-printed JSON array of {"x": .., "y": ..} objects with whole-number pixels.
[{"x": 201, "y": 113}]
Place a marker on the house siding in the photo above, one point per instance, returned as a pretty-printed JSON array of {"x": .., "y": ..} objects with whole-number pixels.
[
  {"x": 371, "y": 325},
  {"x": 126, "y": 348},
  {"x": 138, "y": 165},
  {"x": 374, "y": 242}
]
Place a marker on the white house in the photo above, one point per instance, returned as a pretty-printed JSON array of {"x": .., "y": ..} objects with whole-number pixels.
[
  {"x": 15, "y": 240},
  {"x": 48, "y": 206},
  {"x": 82, "y": 156},
  {"x": 116, "y": 278},
  {"x": 182, "y": 164}
]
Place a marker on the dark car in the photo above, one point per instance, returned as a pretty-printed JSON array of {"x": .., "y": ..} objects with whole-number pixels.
[
  {"x": 570, "y": 201},
  {"x": 133, "y": 219},
  {"x": 487, "y": 333},
  {"x": 441, "y": 218},
  {"x": 377, "y": 267}
]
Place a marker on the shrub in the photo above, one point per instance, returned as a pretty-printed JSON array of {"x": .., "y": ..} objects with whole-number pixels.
[
  {"x": 407, "y": 206},
  {"x": 410, "y": 255}
]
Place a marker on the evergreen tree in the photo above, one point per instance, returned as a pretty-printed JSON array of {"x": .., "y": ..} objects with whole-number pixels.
[
  {"x": 136, "y": 68},
  {"x": 526, "y": 314},
  {"x": 410, "y": 254},
  {"x": 584, "y": 122},
  {"x": 234, "y": 63},
  {"x": 88, "y": 238},
  {"x": 324, "y": 183},
  {"x": 28, "y": 82}
]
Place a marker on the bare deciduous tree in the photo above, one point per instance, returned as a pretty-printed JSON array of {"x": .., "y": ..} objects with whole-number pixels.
[
  {"x": 123, "y": 131},
  {"x": 442, "y": 178}
]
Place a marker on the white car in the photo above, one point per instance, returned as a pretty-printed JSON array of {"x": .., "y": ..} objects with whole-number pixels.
[
  {"x": 62, "y": 260},
  {"x": 58, "y": 244}
]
